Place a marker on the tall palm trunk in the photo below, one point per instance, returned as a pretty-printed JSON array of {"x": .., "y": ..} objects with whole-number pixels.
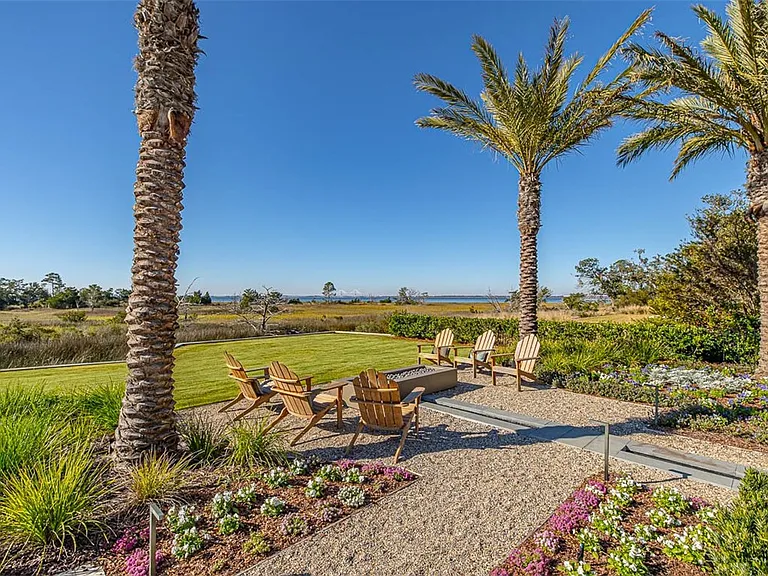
[
  {"x": 529, "y": 222},
  {"x": 165, "y": 106},
  {"x": 757, "y": 189}
]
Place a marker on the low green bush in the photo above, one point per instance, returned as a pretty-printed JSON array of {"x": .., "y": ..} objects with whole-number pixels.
[
  {"x": 661, "y": 339},
  {"x": 739, "y": 545},
  {"x": 73, "y": 316},
  {"x": 54, "y": 500},
  {"x": 251, "y": 446}
]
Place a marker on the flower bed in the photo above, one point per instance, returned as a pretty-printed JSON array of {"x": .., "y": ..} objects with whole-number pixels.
[
  {"x": 224, "y": 528},
  {"x": 619, "y": 528},
  {"x": 717, "y": 402}
]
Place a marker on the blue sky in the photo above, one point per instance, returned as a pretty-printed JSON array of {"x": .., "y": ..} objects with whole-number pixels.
[{"x": 304, "y": 164}]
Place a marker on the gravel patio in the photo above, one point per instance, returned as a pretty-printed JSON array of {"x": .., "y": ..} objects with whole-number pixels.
[{"x": 481, "y": 491}]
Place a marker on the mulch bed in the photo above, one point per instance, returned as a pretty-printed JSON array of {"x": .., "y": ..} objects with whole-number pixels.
[
  {"x": 221, "y": 554},
  {"x": 569, "y": 547}
]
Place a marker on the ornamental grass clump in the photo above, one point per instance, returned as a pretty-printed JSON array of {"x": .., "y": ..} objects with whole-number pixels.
[
  {"x": 252, "y": 445},
  {"x": 55, "y": 500},
  {"x": 157, "y": 478},
  {"x": 203, "y": 437}
]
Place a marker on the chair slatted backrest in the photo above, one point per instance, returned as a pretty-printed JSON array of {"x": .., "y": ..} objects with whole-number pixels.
[
  {"x": 248, "y": 386},
  {"x": 378, "y": 399},
  {"x": 443, "y": 341},
  {"x": 527, "y": 347},
  {"x": 294, "y": 398},
  {"x": 486, "y": 341}
]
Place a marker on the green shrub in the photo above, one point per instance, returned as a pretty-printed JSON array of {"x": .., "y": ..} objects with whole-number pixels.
[
  {"x": 257, "y": 543},
  {"x": 54, "y": 500},
  {"x": 203, "y": 437},
  {"x": 739, "y": 545},
  {"x": 156, "y": 478},
  {"x": 251, "y": 446},
  {"x": 677, "y": 341},
  {"x": 73, "y": 316}
]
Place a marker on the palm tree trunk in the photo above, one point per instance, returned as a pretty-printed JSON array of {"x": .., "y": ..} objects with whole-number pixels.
[
  {"x": 165, "y": 106},
  {"x": 529, "y": 222},
  {"x": 757, "y": 189}
]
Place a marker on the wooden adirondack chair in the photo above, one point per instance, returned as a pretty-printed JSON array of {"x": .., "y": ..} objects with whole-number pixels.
[
  {"x": 441, "y": 349},
  {"x": 479, "y": 355},
  {"x": 526, "y": 353},
  {"x": 301, "y": 401},
  {"x": 378, "y": 399},
  {"x": 251, "y": 388}
]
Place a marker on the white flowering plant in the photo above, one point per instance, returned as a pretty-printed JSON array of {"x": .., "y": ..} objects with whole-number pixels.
[
  {"x": 229, "y": 524},
  {"x": 331, "y": 473},
  {"x": 180, "y": 519},
  {"x": 315, "y": 487},
  {"x": 352, "y": 496},
  {"x": 689, "y": 545},
  {"x": 223, "y": 504},
  {"x": 277, "y": 478},
  {"x": 247, "y": 495},
  {"x": 576, "y": 568},
  {"x": 272, "y": 506},
  {"x": 187, "y": 543},
  {"x": 671, "y": 500},
  {"x": 353, "y": 476}
]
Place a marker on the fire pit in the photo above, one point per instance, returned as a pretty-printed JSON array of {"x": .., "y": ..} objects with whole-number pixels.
[{"x": 432, "y": 378}]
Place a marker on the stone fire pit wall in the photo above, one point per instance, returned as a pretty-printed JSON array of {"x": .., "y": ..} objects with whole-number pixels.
[{"x": 432, "y": 378}]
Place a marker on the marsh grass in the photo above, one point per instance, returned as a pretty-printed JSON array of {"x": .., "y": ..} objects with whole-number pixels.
[
  {"x": 54, "y": 500},
  {"x": 251, "y": 446}
]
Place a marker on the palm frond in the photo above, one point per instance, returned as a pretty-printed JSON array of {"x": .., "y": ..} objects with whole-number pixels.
[{"x": 605, "y": 59}]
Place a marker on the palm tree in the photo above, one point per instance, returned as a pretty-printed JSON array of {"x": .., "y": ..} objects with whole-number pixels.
[
  {"x": 165, "y": 106},
  {"x": 531, "y": 120},
  {"x": 719, "y": 103}
]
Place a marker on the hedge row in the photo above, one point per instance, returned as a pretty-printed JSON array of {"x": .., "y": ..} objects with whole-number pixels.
[{"x": 680, "y": 341}]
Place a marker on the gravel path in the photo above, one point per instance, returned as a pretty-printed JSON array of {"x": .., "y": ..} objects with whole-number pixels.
[
  {"x": 480, "y": 493},
  {"x": 556, "y": 404}
]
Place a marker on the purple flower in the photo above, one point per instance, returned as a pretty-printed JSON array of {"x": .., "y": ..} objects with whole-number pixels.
[
  {"x": 547, "y": 540},
  {"x": 599, "y": 486},
  {"x": 398, "y": 473},
  {"x": 568, "y": 517},
  {"x": 699, "y": 503},
  {"x": 127, "y": 542},
  {"x": 345, "y": 464},
  {"x": 137, "y": 564},
  {"x": 537, "y": 563},
  {"x": 499, "y": 571},
  {"x": 373, "y": 468},
  {"x": 586, "y": 498}
]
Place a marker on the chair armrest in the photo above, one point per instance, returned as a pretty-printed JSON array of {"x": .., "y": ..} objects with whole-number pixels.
[
  {"x": 414, "y": 396},
  {"x": 502, "y": 354},
  {"x": 420, "y": 346},
  {"x": 531, "y": 358},
  {"x": 331, "y": 386},
  {"x": 306, "y": 394},
  {"x": 307, "y": 379},
  {"x": 454, "y": 348},
  {"x": 264, "y": 369}
]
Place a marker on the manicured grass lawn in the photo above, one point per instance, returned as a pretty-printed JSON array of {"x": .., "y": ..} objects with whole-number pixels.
[{"x": 201, "y": 377}]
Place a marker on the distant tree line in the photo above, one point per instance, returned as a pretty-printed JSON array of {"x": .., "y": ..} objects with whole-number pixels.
[
  {"x": 52, "y": 292},
  {"x": 710, "y": 277}
]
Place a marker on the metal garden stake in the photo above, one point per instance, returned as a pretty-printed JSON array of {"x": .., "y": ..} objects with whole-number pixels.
[
  {"x": 656, "y": 405},
  {"x": 607, "y": 443},
  {"x": 155, "y": 515}
]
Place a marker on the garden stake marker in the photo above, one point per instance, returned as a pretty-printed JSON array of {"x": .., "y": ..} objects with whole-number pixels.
[
  {"x": 155, "y": 514},
  {"x": 607, "y": 446}
]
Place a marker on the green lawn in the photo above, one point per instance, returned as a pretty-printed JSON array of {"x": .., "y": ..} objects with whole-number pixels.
[{"x": 201, "y": 377}]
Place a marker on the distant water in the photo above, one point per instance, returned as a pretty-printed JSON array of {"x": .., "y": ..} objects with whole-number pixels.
[{"x": 427, "y": 300}]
